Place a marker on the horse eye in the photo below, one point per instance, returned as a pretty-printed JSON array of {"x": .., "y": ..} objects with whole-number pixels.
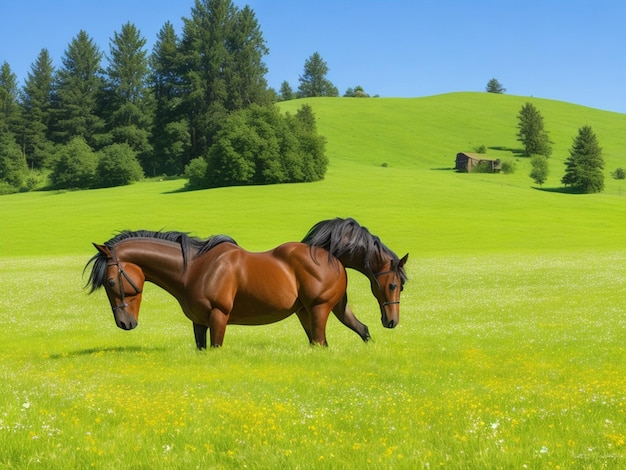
[
  {"x": 392, "y": 286},
  {"x": 111, "y": 282}
]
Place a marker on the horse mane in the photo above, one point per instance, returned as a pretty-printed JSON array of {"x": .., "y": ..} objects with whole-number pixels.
[
  {"x": 347, "y": 239},
  {"x": 190, "y": 246}
]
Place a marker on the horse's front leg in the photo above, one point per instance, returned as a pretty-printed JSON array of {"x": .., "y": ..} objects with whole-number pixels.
[
  {"x": 199, "y": 332},
  {"x": 345, "y": 315},
  {"x": 217, "y": 326}
]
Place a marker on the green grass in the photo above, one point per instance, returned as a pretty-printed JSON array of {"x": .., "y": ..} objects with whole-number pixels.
[{"x": 510, "y": 351}]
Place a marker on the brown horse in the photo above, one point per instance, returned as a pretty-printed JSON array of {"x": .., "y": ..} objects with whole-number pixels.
[{"x": 218, "y": 283}]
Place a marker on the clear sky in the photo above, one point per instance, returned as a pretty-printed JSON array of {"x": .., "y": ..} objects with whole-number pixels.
[{"x": 568, "y": 50}]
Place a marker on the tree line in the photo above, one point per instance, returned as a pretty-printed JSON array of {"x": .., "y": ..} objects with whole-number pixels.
[{"x": 198, "y": 105}]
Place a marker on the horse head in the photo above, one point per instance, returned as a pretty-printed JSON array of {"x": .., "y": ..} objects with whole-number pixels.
[
  {"x": 123, "y": 283},
  {"x": 386, "y": 286}
]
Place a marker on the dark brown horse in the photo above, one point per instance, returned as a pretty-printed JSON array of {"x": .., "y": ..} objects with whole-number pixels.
[{"x": 218, "y": 283}]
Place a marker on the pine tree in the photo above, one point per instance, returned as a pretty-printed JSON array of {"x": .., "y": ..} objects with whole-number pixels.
[
  {"x": 10, "y": 115},
  {"x": 127, "y": 97},
  {"x": 494, "y": 86},
  {"x": 313, "y": 81},
  {"x": 77, "y": 91},
  {"x": 170, "y": 135},
  {"x": 222, "y": 50},
  {"x": 36, "y": 105},
  {"x": 583, "y": 168},
  {"x": 531, "y": 132}
]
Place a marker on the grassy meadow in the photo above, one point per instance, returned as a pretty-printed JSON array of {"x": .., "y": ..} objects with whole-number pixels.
[{"x": 510, "y": 351}]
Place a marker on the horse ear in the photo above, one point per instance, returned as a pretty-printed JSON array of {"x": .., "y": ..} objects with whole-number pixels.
[
  {"x": 103, "y": 249},
  {"x": 403, "y": 260}
]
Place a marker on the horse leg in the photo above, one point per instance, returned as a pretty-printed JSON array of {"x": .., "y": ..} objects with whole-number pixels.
[
  {"x": 199, "y": 332},
  {"x": 345, "y": 315},
  {"x": 305, "y": 321},
  {"x": 319, "y": 317},
  {"x": 217, "y": 326}
]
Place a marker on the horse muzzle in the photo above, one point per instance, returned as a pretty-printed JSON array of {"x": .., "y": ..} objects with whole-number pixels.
[
  {"x": 390, "y": 321},
  {"x": 123, "y": 319}
]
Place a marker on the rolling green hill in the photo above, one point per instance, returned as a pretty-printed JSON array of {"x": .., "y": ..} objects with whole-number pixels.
[{"x": 416, "y": 201}]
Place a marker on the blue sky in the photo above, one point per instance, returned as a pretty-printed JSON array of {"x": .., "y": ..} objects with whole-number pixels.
[{"x": 571, "y": 50}]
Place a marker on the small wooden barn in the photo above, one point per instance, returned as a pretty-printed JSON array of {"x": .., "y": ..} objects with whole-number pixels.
[{"x": 465, "y": 161}]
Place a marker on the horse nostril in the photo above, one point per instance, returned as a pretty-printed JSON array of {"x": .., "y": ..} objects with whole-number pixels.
[{"x": 390, "y": 324}]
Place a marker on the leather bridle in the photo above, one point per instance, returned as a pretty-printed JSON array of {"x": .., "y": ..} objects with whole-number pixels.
[
  {"x": 384, "y": 304},
  {"x": 121, "y": 275}
]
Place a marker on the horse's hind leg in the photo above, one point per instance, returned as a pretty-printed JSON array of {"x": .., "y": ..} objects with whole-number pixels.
[
  {"x": 305, "y": 321},
  {"x": 343, "y": 312},
  {"x": 199, "y": 332}
]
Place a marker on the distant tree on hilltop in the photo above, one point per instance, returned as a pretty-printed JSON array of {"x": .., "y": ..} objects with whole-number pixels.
[
  {"x": 313, "y": 81},
  {"x": 494, "y": 86}
]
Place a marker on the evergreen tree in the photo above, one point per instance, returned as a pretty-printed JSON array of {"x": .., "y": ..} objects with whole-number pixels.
[
  {"x": 494, "y": 86},
  {"x": 9, "y": 107},
  {"x": 583, "y": 168},
  {"x": 12, "y": 162},
  {"x": 531, "y": 131},
  {"x": 127, "y": 97},
  {"x": 36, "y": 105},
  {"x": 313, "y": 81},
  {"x": 286, "y": 92},
  {"x": 77, "y": 90},
  {"x": 170, "y": 135},
  {"x": 222, "y": 69}
]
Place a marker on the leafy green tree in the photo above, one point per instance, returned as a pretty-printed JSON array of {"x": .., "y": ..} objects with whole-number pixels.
[
  {"x": 583, "y": 168},
  {"x": 259, "y": 145},
  {"x": 286, "y": 92},
  {"x": 313, "y": 81},
  {"x": 13, "y": 169},
  {"x": 74, "y": 166},
  {"x": 532, "y": 133},
  {"x": 356, "y": 92},
  {"x": 539, "y": 171},
  {"x": 170, "y": 135},
  {"x": 36, "y": 105},
  {"x": 127, "y": 97},
  {"x": 221, "y": 67},
  {"x": 494, "y": 86},
  {"x": 77, "y": 91},
  {"x": 117, "y": 166}
]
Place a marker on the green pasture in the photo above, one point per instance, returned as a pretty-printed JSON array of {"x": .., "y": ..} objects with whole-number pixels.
[{"x": 509, "y": 354}]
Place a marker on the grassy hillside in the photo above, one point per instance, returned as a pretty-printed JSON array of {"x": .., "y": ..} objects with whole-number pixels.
[
  {"x": 509, "y": 354},
  {"x": 415, "y": 203}
]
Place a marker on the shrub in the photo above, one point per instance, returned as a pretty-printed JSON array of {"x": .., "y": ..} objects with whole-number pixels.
[
  {"x": 196, "y": 173},
  {"x": 74, "y": 166},
  {"x": 619, "y": 174},
  {"x": 117, "y": 166},
  {"x": 508, "y": 167}
]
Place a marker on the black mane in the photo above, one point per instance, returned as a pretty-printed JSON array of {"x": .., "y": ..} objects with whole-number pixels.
[
  {"x": 345, "y": 238},
  {"x": 190, "y": 246}
]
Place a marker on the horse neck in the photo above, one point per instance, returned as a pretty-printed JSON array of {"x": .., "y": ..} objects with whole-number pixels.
[
  {"x": 357, "y": 261},
  {"x": 161, "y": 261}
]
